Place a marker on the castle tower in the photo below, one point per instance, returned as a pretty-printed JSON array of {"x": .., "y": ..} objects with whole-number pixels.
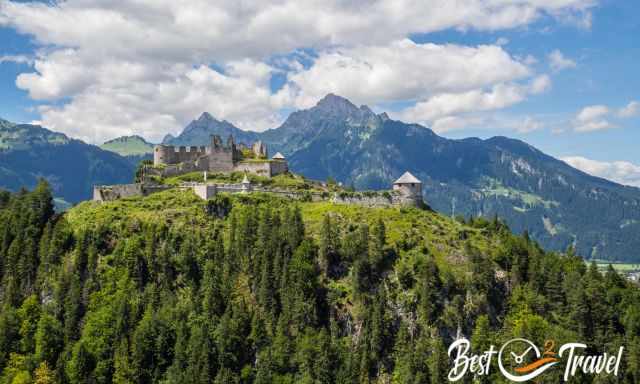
[
  {"x": 163, "y": 154},
  {"x": 409, "y": 186}
]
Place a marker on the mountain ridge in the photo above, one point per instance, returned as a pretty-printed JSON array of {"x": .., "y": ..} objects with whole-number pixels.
[
  {"x": 531, "y": 190},
  {"x": 31, "y": 152},
  {"x": 198, "y": 132}
]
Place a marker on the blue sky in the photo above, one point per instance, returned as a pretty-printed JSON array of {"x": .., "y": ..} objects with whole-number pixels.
[
  {"x": 559, "y": 74},
  {"x": 606, "y": 72}
]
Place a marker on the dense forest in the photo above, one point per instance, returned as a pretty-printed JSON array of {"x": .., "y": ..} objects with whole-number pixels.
[{"x": 257, "y": 289}]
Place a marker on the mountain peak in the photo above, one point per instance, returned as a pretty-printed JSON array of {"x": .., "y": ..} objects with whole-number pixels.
[
  {"x": 133, "y": 145},
  {"x": 206, "y": 116},
  {"x": 167, "y": 138},
  {"x": 125, "y": 139},
  {"x": 336, "y": 104},
  {"x": 199, "y": 132},
  {"x": 203, "y": 121}
]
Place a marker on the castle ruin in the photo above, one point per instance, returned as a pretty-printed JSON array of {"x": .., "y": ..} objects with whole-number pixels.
[{"x": 169, "y": 160}]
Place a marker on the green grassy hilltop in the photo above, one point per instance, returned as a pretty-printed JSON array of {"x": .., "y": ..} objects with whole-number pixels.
[
  {"x": 255, "y": 288},
  {"x": 128, "y": 146}
]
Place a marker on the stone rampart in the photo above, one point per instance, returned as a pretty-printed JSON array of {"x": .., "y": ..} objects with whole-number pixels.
[
  {"x": 119, "y": 191},
  {"x": 377, "y": 199},
  {"x": 267, "y": 168},
  {"x": 367, "y": 198}
]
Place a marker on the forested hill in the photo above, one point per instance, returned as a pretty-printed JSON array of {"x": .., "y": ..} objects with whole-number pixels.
[
  {"x": 72, "y": 167},
  {"x": 256, "y": 289}
]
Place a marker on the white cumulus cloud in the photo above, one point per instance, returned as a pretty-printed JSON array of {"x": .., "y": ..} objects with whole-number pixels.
[
  {"x": 403, "y": 70},
  {"x": 529, "y": 124},
  {"x": 443, "y": 110},
  {"x": 622, "y": 172},
  {"x": 558, "y": 62},
  {"x": 18, "y": 59},
  {"x": 630, "y": 110},
  {"x": 201, "y": 29},
  {"x": 150, "y": 66},
  {"x": 592, "y": 118},
  {"x": 106, "y": 109}
]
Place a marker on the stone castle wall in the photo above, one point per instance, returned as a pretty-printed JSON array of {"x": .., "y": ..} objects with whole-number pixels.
[
  {"x": 115, "y": 192},
  {"x": 262, "y": 168},
  {"x": 207, "y": 191},
  {"x": 378, "y": 199},
  {"x": 268, "y": 168},
  {"x": 215, "y": 158},
  {"x": 168, "y": 154},
  {"x": 222, "y": 159}
]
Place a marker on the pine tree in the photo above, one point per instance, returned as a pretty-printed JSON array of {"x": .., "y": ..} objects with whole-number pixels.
[
  {"x": 49, "y": 339},
  {"x": 73, "y": 309},
  {"x": 329, "y": 254},
  {"x": 302, "y": 286},
  {"x": 81, "y": 366},
  {"x": 42, "y": 202},
  {"x": 378, "y": 241},
  {"x": 123, "y": 372},
  {"x": 43, "y": 374},
  {"x": 438, "y": 362},
  {"x": 9, "y": 333},
  {"x": 29, "y": 315},
  {"x": 430, "y": 291},
  {"x": 200, "y": 364},
  {"x": 212, "y": 300}
]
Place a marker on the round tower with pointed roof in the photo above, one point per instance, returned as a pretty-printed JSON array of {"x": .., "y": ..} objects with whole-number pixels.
[{"x": 409, "y": 186}]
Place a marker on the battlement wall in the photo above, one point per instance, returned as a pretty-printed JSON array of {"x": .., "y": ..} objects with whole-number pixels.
[
  {"x": 268, "y": 168},
  {"x": 170, "y": 160},
  {"x": 169, "y": 154},
  {"x": 373, "y": 199}
]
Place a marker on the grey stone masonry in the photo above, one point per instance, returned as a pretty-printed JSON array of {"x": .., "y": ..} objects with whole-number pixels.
[{"x": 169, "y": 160}]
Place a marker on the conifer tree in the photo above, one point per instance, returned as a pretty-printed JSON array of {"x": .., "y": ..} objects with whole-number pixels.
[
  {"x": 49, "y": 339},
  {"x": 43, "y": 374},
  {"x": 329, "y": 255}
]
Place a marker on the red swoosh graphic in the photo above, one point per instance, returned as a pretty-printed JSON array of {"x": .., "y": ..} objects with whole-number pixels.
[{"x": 535, "y": 365}]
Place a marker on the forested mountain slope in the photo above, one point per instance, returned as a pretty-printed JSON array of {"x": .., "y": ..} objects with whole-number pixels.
[
  {"x": 256, "y": 289},
  {"x": 72, "y": 167}
]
